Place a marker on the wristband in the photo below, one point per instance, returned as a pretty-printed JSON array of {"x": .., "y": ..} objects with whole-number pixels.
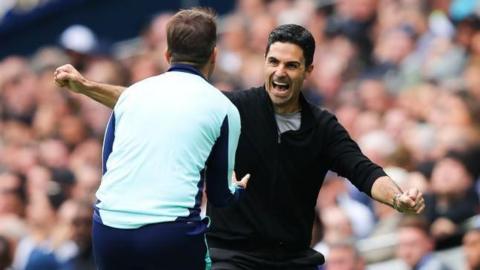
[{"x": 395, "y": 202}]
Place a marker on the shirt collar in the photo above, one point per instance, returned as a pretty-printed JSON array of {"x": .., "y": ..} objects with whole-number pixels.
[{"x": 185, "y": 68}]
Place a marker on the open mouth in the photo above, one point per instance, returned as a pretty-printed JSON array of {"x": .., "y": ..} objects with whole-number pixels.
[{"x": 280, "y": 86}]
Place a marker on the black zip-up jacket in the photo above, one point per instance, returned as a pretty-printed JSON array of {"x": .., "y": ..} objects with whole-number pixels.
[{"x": 287, "y": 172}]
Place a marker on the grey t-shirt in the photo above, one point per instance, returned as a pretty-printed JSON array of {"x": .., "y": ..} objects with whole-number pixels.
[{"x": 288, "y": 121}]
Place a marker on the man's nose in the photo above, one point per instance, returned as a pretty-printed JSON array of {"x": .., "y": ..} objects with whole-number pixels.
[{"x": 280, "y": 71}]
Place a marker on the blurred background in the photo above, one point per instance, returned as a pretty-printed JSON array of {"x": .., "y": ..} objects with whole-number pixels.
[{"x": 402, "y": 76}]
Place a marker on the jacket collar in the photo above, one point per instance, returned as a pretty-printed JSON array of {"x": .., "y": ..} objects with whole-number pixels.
[{"x": 307, "y": 120}]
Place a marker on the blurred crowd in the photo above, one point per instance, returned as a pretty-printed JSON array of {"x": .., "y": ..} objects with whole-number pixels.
[{"x": 402, "y": 76}]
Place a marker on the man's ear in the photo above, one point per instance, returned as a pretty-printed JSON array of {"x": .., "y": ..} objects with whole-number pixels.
[
  {"x": 168, "y": 56},
  {"x": 213, "y": 56},
  {"x": 309, "y": 69}
]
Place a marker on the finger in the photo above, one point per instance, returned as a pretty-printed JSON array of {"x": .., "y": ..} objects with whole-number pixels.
[
  {"x": 61, "y": 69},
  {"x": 420, "y": 210},
  {"x": 64, "y": 77},
  {"x": 412, "y": 193},
  {"x": 244, "y": 182},
  {"x": 418, "y": 205},
  {"x": 245, "y": 178},
  {"x": 59, "y": 83},
  {"x": 66, "y": 67},
  {"x": 406, "y": 201},
  {"x": 69, "y": 69},
  {"x": 419, "y": 196}
]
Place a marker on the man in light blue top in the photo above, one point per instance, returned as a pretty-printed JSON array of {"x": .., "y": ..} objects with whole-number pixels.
[{"x": 165, "y": 134}]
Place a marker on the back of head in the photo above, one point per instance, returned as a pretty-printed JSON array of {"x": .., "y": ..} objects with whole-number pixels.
[
  {"x": 295, "y": 34},
  {"x": 191, "y": 36}
]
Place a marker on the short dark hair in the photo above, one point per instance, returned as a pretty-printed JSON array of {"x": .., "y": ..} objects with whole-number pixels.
[
  {"x": 191, "y": 36},
  {"x": 295, "y": 34}
]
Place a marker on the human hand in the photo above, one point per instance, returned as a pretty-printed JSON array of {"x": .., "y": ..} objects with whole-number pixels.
[
  {"x": 409, "y": 202},
  {"x": 69, "y": 77},
  {"x": 243, "y": 182}
]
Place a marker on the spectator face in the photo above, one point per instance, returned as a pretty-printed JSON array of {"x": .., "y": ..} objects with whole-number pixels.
[
  {"x": 259, "y": 31},
  {"x": 373, "y": 95},
  {"x": 87, "y": 182},
  {"x": 53, "y": 153},
  {"x": 337, "y": 225},
  {"x": 413, "y": 244},
  {"x": 10, "y": 201},
  {"x": 284, "y": 74},
  {"x": 156, "y": 33},
  {"x": 38, "y": 180},
  {"x": 449, "y": 176},
  {"x": 362, "y": 10},
  {"x": 472, "y": 80},
  {"x": 82, "y": 226},
  {"x": 78, "y": 216},
  {"x": 144, "y": 66},
  {"x": 449, "y": 110},
  {"x": 17, "y": 87},
  {"x": 343, "y": 258},
  {"x": 234, "y": 38},
  {"x": 471, "y": 245},
  {"x": 72, "y": 130}
]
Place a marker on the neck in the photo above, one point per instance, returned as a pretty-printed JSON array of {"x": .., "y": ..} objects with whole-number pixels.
[
  {"x": 205, "y": 70},
  {"x": 283, "y": 110},
  {"x": 288, "y": 108}
]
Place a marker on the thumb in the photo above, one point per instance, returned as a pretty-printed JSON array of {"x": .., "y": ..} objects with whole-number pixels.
[{"x": 244, "y": 182}]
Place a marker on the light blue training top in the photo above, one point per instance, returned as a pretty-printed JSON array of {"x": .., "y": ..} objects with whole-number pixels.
[{"x": 163, "y": 132}]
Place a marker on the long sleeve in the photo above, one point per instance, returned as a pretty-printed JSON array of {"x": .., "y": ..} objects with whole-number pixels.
[
  {"x": 347, "y": 160},
  {"x": 220, "y": 189}
]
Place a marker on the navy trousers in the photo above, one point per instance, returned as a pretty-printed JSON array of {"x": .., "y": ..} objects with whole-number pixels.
[{"x": 171, "y": 245}]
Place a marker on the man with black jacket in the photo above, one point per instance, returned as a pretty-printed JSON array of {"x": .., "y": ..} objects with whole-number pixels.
[{"x": 287, "y": 145}]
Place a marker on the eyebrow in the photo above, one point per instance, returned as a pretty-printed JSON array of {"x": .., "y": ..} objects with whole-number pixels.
[
  {"x": 294, "y": 62},
  {"x": 288, "y": 62}
]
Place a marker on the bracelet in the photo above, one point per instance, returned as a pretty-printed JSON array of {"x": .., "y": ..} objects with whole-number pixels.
[{"x": 395, "y": 202}]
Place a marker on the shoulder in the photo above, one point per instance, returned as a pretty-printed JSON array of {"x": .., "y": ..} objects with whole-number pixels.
[
  {"x": 321, "y": 115},
  {"x": 137, "y": 88},
  {"x": 246, "y": 95},
  {"x": 144, "y": 84}
]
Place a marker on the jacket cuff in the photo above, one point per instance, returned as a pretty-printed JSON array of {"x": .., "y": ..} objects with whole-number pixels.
[{"x": 367, "y": 187}]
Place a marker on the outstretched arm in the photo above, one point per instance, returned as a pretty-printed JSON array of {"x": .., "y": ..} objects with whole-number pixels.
[
  {"x": 386, "y": 191},
  {"x": 67, "y": 76},
  {"x": 220, "y": 190},
  {"x": 348, "y": 160}
]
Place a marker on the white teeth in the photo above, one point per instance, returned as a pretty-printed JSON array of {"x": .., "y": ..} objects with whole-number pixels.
[{"x": 280, "y": 83}]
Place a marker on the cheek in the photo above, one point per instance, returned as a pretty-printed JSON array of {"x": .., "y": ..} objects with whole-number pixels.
[
  {"x": 298, "y": 79},
  {"x": 268, "y": 74}
]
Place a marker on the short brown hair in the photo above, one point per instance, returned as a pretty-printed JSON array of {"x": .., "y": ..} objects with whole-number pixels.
[
  {"x": 191, "y": 36},
  {"x": 416, "y": 222}
]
